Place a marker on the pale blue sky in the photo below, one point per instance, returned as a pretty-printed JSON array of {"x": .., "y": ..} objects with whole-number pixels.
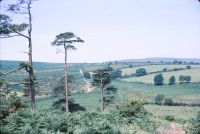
[{"x": 112, "y": 30}]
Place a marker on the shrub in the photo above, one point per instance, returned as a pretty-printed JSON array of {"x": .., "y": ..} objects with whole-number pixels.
[
  {"x": 178, "y": 69},
  {"x": 184, "y": 79},
  {"x": 172, "y": 80},
  {"x": 158, "y": 80},
  {"x": 11, "y": 105},
  {"x": 181, "y": 78},
  {"x": 169, "y": 118},
  {"x": 60, "y": 104},
  {"x": 159, "y": 99},
  {"x": 141, "y": 72},
  {"x": 130, "y": 66},
  {"x": 188, "y": 67},
  {"x": 116, "y": 74},
  {"x": 188, "y": 79},
  {"x": 196, "y": 124},
  {"x": 131, "y": 108},
  {"x": 164, "y": 69},
  {"x": 87, "y": 75},
  {"x": 168, "y": 102}
]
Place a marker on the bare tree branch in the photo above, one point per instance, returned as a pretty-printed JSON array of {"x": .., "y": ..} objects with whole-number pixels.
[
  {"x": 15, "y": 70},
  {"x": 18, "y": 33}
]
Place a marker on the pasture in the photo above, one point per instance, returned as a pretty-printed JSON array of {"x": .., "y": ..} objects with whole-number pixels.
[
  {"x": 149, "y": 78},
  {"x": 154, "y": 68}
]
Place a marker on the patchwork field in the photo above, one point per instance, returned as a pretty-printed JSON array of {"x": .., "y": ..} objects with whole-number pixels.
[
  {"x": 154, "y": 68},
  {"x": 149, "y": 79}
]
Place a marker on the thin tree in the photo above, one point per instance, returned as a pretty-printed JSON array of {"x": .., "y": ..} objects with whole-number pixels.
[
  {"x": 101, "y": 78},
  {"x": 66, "y": 40},
  {"x": 8, "y": 30}
]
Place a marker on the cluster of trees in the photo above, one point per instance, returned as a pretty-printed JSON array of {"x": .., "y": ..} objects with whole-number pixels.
[
  {"x": 184, "y": 79},
  {"x": 159, "y": 79},
  {"x": 116, "y": 74}
]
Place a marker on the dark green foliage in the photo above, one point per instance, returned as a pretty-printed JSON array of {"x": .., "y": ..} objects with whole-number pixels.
[
  {"x": 140, "y": 72},
  {"x": 181, "y": 78},
  {"x": 59, "y": 89},
  {"x": 132, "y": 115},
  {"x": 172, "y": 80},
  {"x": 87, "y": 75},
  {"x": 102, "y": 79},
  {"x": 7, "y": 29},
  {"x": 178, "y": 69},
  {"x": 133, "y": 112},
  {"x": 10, "y": 105},
  {"x": 131, "y": 109},
  {"x": 66, "y": 39},
  {"x": 130, "y": 66},
  {"x": 188, "y": 67},
  {"x": 158, "y": 80},
  {"x": 169, "y": 118},
  {"x": 196, "y": 124},
  {"x": 73, "y": 107},
  {"x": 164, "y": 69},
  {"x": 109, "y": 97},
  {"x": 177, "y": 62},
  {"x": 159, "y": 99},
  {"x": 116, "y": 74},
  {"x": 168, "y": 102},
  {"x": 184, "y": 79},
  {"x": 188, "y": 78},
  {"x": 4, "y": 89},
  {"x": 26, "y": 87}
]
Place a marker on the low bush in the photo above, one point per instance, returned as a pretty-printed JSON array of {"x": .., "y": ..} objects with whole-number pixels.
[
  {"x": 169, "y": 118},
  {"x": 168, "y": 102},
  {"x": 73, "y": 107},
  {"x": 87, "y": 75},
  {"x": 10, "y": 105},
  {"x": 140, "y": 72},
  {"x": 196, "y": 124},
  {"x": 159, "y": 99}
]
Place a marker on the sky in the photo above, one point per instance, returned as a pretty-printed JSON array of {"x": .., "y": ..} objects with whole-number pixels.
[{"x": 112, "y": 30}]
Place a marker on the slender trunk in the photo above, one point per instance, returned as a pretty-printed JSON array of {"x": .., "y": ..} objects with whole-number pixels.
[
  {"x": 31, "y": 85},
  {"x": 102, "y": 107},
  {"x": 66, "y": 91}
]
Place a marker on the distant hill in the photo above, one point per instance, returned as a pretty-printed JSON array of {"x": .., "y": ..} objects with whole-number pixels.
[
  {"x": 7, "y": 65},
  {"x": 188, "y": 60}
]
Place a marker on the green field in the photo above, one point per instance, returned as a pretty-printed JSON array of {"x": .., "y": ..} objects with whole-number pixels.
[
  {"x": 180, "y": 93},
  {"x": 194, "y": 73},
  {"x": 154, "y": 68}
]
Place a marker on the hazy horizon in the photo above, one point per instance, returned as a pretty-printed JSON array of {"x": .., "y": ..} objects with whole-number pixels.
[{"x": 112, "y": 30}]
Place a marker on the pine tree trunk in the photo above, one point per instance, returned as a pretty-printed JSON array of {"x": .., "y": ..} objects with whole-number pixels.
[
  {"x": 66, "y": 91},
  {"x": 102, "y": 106},
  {"x": 31, "y": 84}
]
